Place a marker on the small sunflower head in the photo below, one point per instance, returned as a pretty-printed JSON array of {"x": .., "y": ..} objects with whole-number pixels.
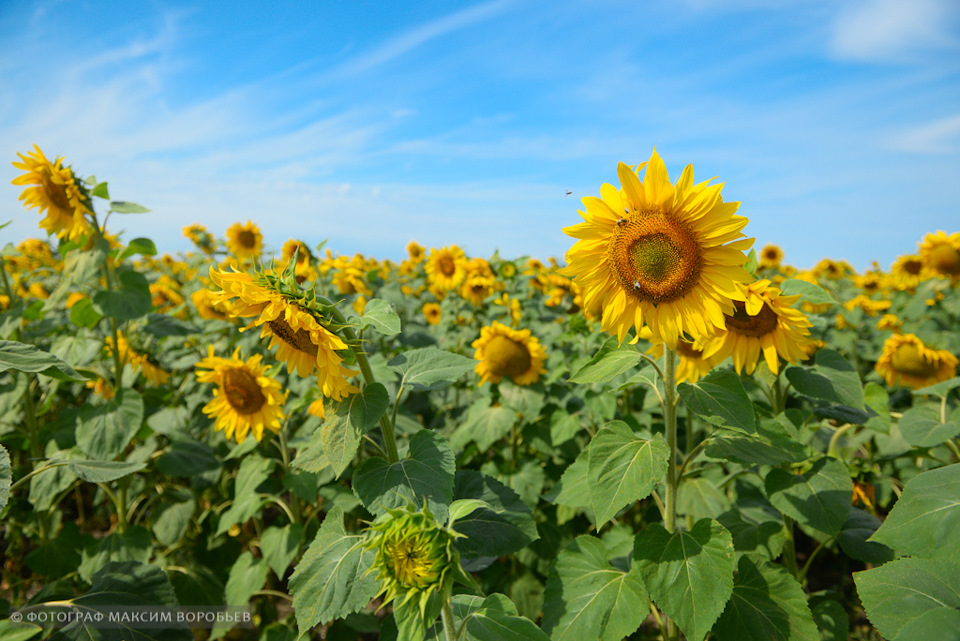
[{"x": 415, "y": 557}]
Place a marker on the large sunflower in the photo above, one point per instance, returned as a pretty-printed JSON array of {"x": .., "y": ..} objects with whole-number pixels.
[
  {"x": 659, "y": 254},
  {"x": 245, "y": 241},
  {"x": 764, "y": 322},
  {"x": 503, "y": 351},
  {"x": 906, "y": 360},
  {"x": 446, "y": 268},
  {"x": 245, "y": 399},
  {"x": 294, "y": 330},
  {"x": 54, "y": 190},
  {"x": 941, "y": 254}
]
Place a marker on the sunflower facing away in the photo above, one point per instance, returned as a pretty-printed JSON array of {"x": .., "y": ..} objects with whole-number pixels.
[
  {"x": 53, "y": 189},
  {"x": 503, "y": 351},
  {"x": 245, "y": 241},
  {"x": 293, "y": 328},
  {"x": 659, "y": 254},
  {"x": 245, "y": 400},
  {"x": 907, "y": 361},
  {"x": 765, "y": 322}
]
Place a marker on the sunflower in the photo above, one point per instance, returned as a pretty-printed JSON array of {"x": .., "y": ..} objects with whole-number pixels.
[
  {"x": 693, "y": 365},
  {"x": 869, "y": 306},
  {"x": 446, "y": 268},
  {"x": 476, "y": 289},
  {"x": 889, "y": 322},
  {"x": 941, "y": 254},
  {"x": 245, "y": 241},
  {"x": 432, "y": 313},
  {"x": 200, "y": 237},
  {"x": 415, "y": 250},
  {"x": 154, "y": 374},
  {"x": 512, "y": 305},
  {"x": 54, "y": 190},
  {"x": 907, "y": 272},
  {"x": 661, "y": 254},
  {"x": 906, "y": 360},
  {"x": 770, "y": 257},
  {"x": 166, "y": 294},
  {"x": 245, "y": 399},
  {"x": 293, "y": 328},
  {"x": 503, "y": 351},
  {"x": 832, "y": 269},
  {"x": 765, "y": 321}
]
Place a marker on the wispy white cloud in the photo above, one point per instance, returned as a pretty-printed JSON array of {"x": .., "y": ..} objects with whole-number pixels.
[
  {"x": 894, "y": 30},
  {"x": 941, "y": 136}
]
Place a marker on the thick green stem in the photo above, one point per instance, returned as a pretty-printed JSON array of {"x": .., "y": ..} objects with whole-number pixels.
[
  {"x": 789, "y": 551},
  {"x": 670, "y": 425},
  {"x": 446, "y": 615}
]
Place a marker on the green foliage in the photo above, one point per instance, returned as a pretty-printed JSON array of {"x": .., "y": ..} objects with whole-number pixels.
[
  {"x": 819, "y": 498},
  {"x": 429, "y": 368},
  {"x": 27, "y": 358},
  {"x": 719, "y": 398},
  {"x": 609, "y": 362}
]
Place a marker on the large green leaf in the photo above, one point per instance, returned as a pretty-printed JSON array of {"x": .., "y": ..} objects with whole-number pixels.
[
  {"x": 921, "y": 426},
  {"x": 719, "y": 398},
  {"x": 587, "y": 598},
  {"x": 247, "y": 575},
  {"x": 103, "y": 471},
  {"x": 379, "y": 315},
  {"x": 187, "y": 458},
  {"x": 574, "y": 490},
  {"x": 142, "y": 246},
  {"x": 172, "y": 520},
  {"x": 132, "y": 545},
  {"x": 430, "y": 368},
  {"x": 280, "y": 546},
  {"x": 493, "y": 618},
  {"x": 427, "y": 473},
  {"x": 132, "y": 586},
  {"x": 127, "y": 207},
  {"x": 771, "y": 445},
  {"x": 767, "y": 605},
  {"x": 942, "y": 624},
  {"x": 855, "y": 535},
  {"x": 609, "y": 362},
  {"x": 819, "y": 498},
  {"x": 622, "y": 468},
  {"x": 832, "y": 379},
  {"x": 104, "y": 431},
  {"x": 332, "y": 579},
  {"x": 253, "y": 471},
  {"x": 131, "y": 300},
  {"x": 484, "y": 425},
  {"x": 27, "y": 358},
  {"x": 831, "y": 619},
  {"x": 505, "y": 527},
  {"x": 904, "y": 590},
  {"x": 810, "y": 293},
  {"x": 925, "y": 521},
  {"x": 335, "y": 442},
  {"x": 689, "y": 574}
]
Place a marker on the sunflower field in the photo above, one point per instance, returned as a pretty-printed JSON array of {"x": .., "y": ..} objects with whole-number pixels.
[{"x": 669, "y": 435}]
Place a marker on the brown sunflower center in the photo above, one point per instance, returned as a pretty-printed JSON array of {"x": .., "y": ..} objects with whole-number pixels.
[
  {"x": 299, "y": 340},
  {"x": 447, "y": 266},
  {"x": 242, "y": 391},
  {"x": 655, "y": 257},
  {"x": 56, "y": 194},
  {"x": 506, "y": 357},
  {"x": 771, "y": 255},
  {"x": 247, "y": 239},
  {"x": 908, "y": 360},
  {"x": 743, "y": 323},
  {"x": 912, "y": 267},
  {"x": 946, "y": 260}
]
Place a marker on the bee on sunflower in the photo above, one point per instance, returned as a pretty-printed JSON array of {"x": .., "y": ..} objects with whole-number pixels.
[{"x": 665, "y": 255}]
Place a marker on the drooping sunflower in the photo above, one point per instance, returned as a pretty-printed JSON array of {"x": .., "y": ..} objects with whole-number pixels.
[
  {"x": 941, "y": 254},
  {"x": 245, "y": 399},
  {"x": 764, "y": 322},
  {"x": 245, "y": 241},
  {"x": 446, "y": 268},
  {"x": 907, "y": 361},
  {"x": 432, "y": 312},
  {"x": 53, "y": 190},
  {"x": 200, "y": 237},
  {"x": 869, "y": 306},
  {"x": 477, "y": 289},
  {"x": 292, "y": 325},
  {"x": 770, "y": 257},
  {"x": 138, "y": 361},
  {"x": 503, "y": 351},
  {"x": 664, "y": 255}
]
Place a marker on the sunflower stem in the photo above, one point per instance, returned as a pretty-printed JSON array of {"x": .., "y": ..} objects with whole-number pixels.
[
  {"x": 389, "y": 436},
  {"x": 670, "y": 425},
  {"x": 446, "y": 615}
]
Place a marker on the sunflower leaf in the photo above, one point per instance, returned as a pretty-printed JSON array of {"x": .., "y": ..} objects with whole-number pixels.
[
  {"x": 126, "y": 207},
  {"x": 380, "y": 315},
  {"x": 27, "y": 358},
  {"x": 819, "y": 498},
  {"x": 719, "y": 397},
  {"x": 609, "y": 362},
  {"x": 429, "y": 368}
]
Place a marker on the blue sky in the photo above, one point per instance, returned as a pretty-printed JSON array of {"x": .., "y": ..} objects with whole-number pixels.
[{"x": 836, "y": 123}]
